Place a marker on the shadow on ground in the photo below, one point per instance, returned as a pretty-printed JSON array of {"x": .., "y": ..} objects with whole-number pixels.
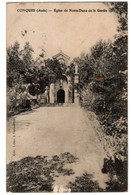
[
  {"x": 84, "y": 183},
  {"x": 37, "y": 174}
]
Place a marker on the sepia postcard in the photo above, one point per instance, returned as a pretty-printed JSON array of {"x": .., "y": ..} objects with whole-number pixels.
[{"x": 67, "y": 97}]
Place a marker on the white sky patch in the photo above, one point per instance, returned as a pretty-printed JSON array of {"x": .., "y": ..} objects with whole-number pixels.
[{"x": 70, "y": 32}]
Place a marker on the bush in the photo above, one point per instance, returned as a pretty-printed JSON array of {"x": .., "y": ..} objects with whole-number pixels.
[{"x": 117, "y": 171}]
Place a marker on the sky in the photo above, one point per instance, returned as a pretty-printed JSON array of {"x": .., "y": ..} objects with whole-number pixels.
[{"x": 71, "y": 32}]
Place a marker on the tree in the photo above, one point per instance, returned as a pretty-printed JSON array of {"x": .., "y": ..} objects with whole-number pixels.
[
  {"x": 14, "y": 64},
  {"x": 105, "y": 93},
  {"x": 120, "y": 8}
]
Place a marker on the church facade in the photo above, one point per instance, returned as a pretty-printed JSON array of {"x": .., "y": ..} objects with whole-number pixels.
[{"x": 63, "y": 89}]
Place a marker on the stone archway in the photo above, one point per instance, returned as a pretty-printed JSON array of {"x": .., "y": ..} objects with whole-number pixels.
[{"x": 60, "y": 96}]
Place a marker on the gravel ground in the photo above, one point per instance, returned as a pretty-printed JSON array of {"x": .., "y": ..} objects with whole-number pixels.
[{"x": 52, "y": 131}]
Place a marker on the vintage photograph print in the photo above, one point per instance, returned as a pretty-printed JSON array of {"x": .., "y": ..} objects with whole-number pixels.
[{"x": 67, "y": 97}]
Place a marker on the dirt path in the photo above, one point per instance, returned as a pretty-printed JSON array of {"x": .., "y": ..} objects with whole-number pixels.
[{"x": 54, "y": 130}]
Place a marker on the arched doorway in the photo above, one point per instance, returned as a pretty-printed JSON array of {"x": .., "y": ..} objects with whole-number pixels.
[{"x": 60, "y": 96}]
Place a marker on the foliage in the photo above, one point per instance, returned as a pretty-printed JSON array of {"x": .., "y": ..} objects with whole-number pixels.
[
  {"x": 18, "y": 64},
  {"x": 23, "y": 70},
  {"x": 118, "y": 174},
  {"x": 85, "y": 69},
  {"x": 55, "y": 69},
  {"x": 25, "y": 76},
  {"x": 105, "y": 93},
  {"x": 18, "y": 100},
  {"x": 120, "y": 8}
]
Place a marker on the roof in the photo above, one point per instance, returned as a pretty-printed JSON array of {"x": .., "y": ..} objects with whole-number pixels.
[{"x": 61, "y": 54}]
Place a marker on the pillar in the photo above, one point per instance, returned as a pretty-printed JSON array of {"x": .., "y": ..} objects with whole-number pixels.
[
  {"x": 76, "y": 96},
  {"x": 51, "y": 93},
  {"x": 76, "y": 81}
]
